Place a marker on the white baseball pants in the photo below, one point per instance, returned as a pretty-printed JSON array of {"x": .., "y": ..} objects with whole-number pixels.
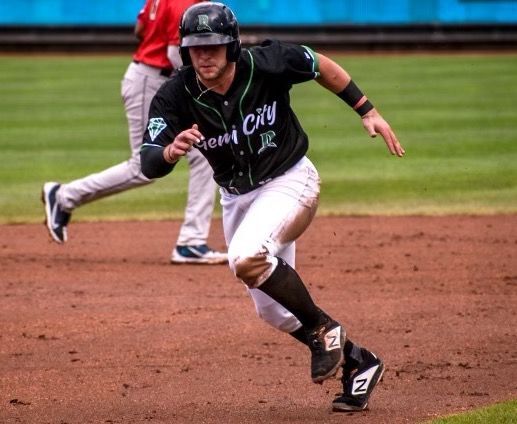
[{"x": 267, "y": 221}]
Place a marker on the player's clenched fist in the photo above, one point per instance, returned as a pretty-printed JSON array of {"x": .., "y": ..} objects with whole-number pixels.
[{"x": 182, "y": 144}]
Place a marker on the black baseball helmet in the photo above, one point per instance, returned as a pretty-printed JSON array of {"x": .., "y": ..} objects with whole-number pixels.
[{"x": 209, "y": 24}]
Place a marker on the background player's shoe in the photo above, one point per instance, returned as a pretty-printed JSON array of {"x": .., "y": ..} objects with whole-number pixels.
[
  {"x": 358, "y": 383},
  {"x": 201, "y": 254},
  {"x": 326, "y": 344},
  {"x": 56, "y": 219}
]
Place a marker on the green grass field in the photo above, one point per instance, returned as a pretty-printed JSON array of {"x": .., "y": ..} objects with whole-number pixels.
[
  {"x": 62, "y": 118},
  {"x": 503, "y": 413}
]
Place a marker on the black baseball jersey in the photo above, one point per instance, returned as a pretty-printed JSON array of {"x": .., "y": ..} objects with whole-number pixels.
[{"x": 251, "y": 133}]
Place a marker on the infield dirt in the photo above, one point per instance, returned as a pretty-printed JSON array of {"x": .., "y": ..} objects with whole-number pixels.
[{"x": 105, "y": 330}]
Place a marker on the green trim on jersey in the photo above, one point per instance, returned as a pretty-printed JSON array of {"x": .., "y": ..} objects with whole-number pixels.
[
  {"x": 252, "y": 63},
  {"x": 208, "y": 107},
  {"x": 315, "y": 61}
]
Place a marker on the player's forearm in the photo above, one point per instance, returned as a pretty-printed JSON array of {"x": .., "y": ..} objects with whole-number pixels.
[
  {"x": 152, "y": 162},
  {"x": 336, "y": 79},
  {"x": 173, "y": 54}
]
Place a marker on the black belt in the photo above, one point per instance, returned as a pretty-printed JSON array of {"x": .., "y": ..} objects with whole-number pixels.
[
  {"x": 164, "y": 72},
  {"x": 241, "y": 190}
]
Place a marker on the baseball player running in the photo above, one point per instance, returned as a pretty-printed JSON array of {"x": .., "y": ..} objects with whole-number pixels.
[
  {"x": 233, "y": 106},
  {"x": 153, "y": 62}
]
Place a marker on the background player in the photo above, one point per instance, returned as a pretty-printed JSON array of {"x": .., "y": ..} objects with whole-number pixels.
[
  {"x": 234, "y": 107},
  {"x": 155, "y": 59}
]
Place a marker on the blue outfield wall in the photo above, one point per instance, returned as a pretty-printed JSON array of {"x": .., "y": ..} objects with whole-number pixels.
[{"x": 271, "y": 12}]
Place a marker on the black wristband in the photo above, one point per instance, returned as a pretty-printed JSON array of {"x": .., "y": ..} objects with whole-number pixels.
[
  {"x": 351, "y": 94},
  {"x": 364, "y": 108},
  {"x": 153, "y": 164}
]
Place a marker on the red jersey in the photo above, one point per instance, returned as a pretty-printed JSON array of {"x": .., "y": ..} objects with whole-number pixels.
[{"x": 161, "y": 21}]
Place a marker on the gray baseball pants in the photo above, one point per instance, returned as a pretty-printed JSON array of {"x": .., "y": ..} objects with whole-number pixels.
[{"x": 139, "y": 85}]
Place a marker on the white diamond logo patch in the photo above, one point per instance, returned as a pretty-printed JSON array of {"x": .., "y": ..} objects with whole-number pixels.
[{"x": 155, "y": 127}]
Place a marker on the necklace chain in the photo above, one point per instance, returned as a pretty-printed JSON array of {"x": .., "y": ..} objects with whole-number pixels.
[{"x": 201, "y": 91}]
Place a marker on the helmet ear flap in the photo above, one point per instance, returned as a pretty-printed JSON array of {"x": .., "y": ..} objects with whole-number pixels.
[
  {"x": 233, "y": 50},
  {"x": 185, "y": 56}
]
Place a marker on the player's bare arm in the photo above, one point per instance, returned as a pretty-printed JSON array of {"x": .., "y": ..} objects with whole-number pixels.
[
  {"x": 182, "y": 144},
  {"x": 332, "y": 76},
  {"x": 336, "y": 79}
]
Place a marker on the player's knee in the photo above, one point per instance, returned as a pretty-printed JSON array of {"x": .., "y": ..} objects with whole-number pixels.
[{"x": 252, "y": 270}]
